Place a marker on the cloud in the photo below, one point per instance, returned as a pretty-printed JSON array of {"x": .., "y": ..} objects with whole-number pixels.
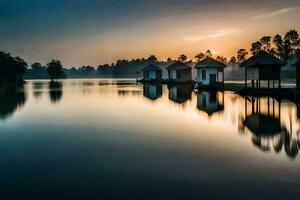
[
  {"x": 277, "y": 12},
  {"x": 212, "y": 35}
]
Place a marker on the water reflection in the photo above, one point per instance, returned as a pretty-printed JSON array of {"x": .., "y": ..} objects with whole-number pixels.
[
  {"x": 11, "y": 99},
  {"x": 38, "y": 89},
  {"x": 210, "y": 101},
  {"x": 264, "y": 121},
  {"x": 55, "y": 91},
  {"x": 180, "y": 93},
  {"x": 152, "y": 91}
]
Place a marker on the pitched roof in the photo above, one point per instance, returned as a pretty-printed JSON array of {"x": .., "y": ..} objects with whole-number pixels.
[
  {"x": 152, "y": 68},
  {"x": 178, "y": 66},
  {"x": 210, "y": 62},
  {"x": 262, "y": 58}
]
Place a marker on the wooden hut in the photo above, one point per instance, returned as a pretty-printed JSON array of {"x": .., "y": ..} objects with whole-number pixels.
[
  {"x": 210, "y": 102},
  {"x": 179, "y": 72},
  {"x": 262, "y": 67},
  {"x": 152, "y": 91},
  {"x": 210, "y": 73},
  {"x": 152, "y": 73}
]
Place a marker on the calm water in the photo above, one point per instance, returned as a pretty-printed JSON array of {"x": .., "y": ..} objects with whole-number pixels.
[{"x": 113, "y": 139}]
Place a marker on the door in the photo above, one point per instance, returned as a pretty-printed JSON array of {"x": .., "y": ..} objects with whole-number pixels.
[{"x": 212, "y": 79}]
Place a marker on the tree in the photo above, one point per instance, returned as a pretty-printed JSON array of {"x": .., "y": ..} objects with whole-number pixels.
[
  {"x": 256, "y": 47},
  {"x": 221, "y": 59},
  {"x": 233, "y": 60},
  {"x": 208, "y": 54},
  {"x": 266, "y": 43},
  {"x": 182, "y": 58},
  {"x": 169, "y": 60},
  {"x": 54, "y": 69},
  {"x": 152, "y": 59},
  {"x": 291, "y": 39},
  {"x": 241, "y": 55},
  {"x": 278, "y": 42},
  {"x": 200, "y": 56},
  {"x": 37, "y": 67},
  {"x": 12, "y": 69}
]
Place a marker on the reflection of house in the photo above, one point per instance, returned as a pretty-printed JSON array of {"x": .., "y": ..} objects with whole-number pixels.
[
  {"x": 262, "y": 124},
  {"x": 179, "y": 72},
  {"x": 210, "y": 72},
  {"x": 152, "y": 91},
  {"x": 180, "y": 93},
  {"x": 267, "y": 131},
  {"x": 262, "y": 66},
  {"x": 152, "y": 73},
  {"x": 210, "y": 101}
]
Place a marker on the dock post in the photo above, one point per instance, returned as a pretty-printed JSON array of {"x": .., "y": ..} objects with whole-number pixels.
[{"x": 246, "y": 77}]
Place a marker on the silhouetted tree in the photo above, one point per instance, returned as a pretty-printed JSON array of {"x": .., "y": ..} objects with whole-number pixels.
[
  {"x": 208, "y": 54},
  {"x": 11, "y": 68},
  {"x": 233, "y": 61},
  {"x": 241, "y": 55},
  {"x": 291, "y": 40},
  {"x": 200, "y": 56},
  {"x": 182, "y": 58},
  {"x": 266, "y": 43},
  {"x": 278, "y": 42},
  {"x": 54, "y": 69},
  {"x": 221, "y": 59},
  {"x": 256, "y": 47},
  {"x": 152, "y": 59}
]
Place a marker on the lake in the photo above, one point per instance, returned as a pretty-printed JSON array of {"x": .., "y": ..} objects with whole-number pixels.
[{"x": 115, "y": 139}]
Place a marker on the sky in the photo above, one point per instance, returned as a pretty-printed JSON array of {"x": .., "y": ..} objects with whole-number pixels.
[{"x": 93, "y": 32}]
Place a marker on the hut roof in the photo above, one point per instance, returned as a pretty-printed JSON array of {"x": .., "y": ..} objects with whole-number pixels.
[
  {"x": 262, "y": 58},
  {"x": 211, "y": 63},
  {"x": 178, "y": 66},
  {"x": 152, "y": 68}
]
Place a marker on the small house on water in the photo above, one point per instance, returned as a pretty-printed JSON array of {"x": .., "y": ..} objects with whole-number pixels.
[
  {"x": 179, "y": 72},
  {"x": 152, "y": 73},
  {"x": 262, "y": 67},
  {"x": 210, "y": 73}
]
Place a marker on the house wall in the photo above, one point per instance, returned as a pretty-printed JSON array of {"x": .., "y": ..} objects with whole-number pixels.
[
  {"x": 180, "y": 75},
  {"x": 152, "y": 75},
  {"x": 172, "y": 74},
  {"x": 208, "y": 71}
]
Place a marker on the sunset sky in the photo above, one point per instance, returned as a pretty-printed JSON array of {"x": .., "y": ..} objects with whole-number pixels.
[{"x": 93, "y": 32}]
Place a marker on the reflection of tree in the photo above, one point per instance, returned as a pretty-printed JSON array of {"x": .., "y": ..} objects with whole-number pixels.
[
  {"x": 152, "y": 91},
  {"x": 55, "y": 91},
  {"x": 37, "y": 86},
  {"x": 267, "y": 131},
  {"x": 10, "y": 100}
]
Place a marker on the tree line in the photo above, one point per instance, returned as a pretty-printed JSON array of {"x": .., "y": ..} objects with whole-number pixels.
[{"x": 13, "y": 69}]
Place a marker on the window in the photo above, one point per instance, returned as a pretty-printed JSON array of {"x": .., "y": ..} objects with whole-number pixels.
[{"x": 203, "y": 74}]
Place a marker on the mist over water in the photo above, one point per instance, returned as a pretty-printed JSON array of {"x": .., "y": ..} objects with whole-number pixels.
[{"x": 109, "y": 138}]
